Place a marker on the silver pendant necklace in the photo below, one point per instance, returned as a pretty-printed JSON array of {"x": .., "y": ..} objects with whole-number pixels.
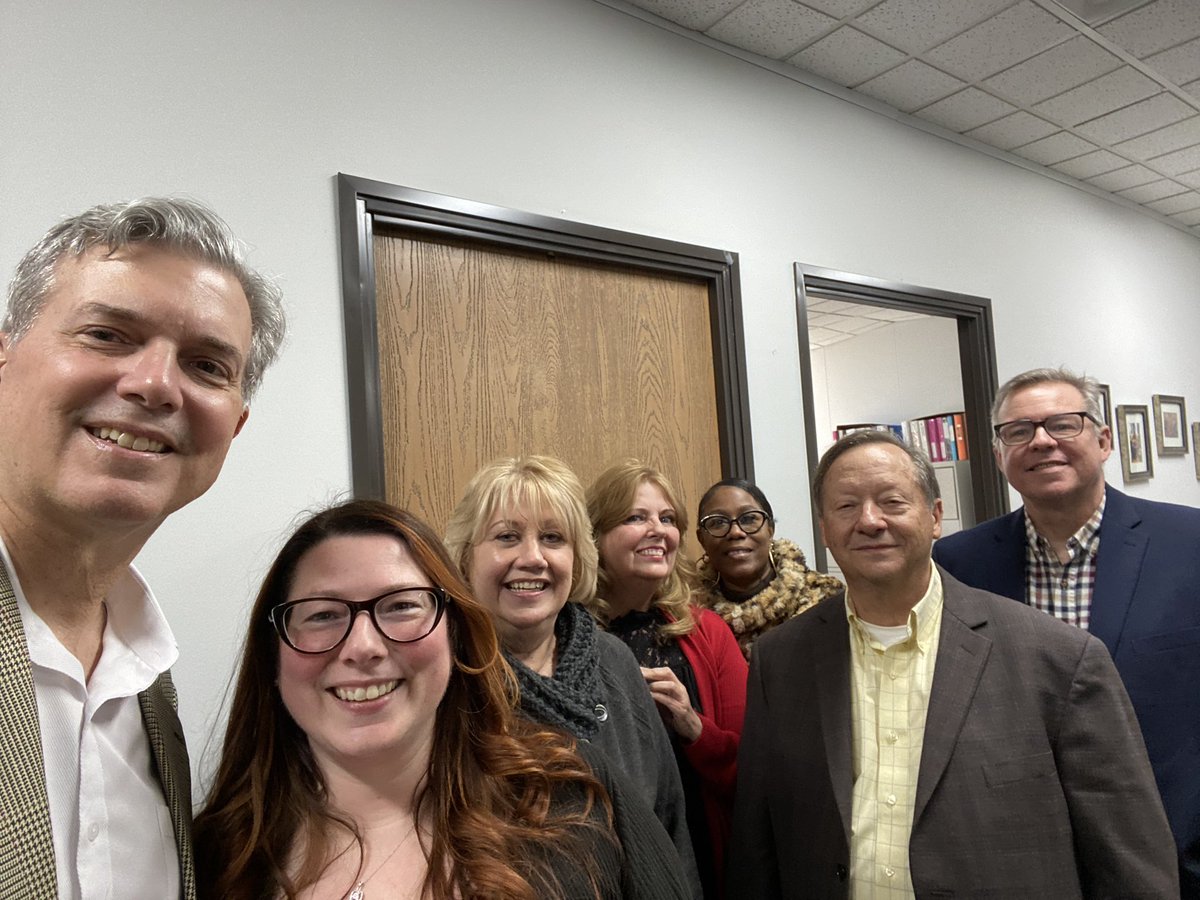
[{"x": 358, "y": 893}]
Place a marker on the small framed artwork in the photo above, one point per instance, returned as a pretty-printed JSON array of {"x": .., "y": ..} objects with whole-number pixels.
[
  {"x": 1133, "y": 433},
  {"x": 1169, "y": 425},
  {"x": 1106, "y": 404},
  {"x": 1195, "y": 445}
]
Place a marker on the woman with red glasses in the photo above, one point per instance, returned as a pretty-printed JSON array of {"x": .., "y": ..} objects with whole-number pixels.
[{"x": 372, "y": 750}]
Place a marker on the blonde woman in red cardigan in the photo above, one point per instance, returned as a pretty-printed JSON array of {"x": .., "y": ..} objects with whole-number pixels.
[{"x": 690, "y": 659}]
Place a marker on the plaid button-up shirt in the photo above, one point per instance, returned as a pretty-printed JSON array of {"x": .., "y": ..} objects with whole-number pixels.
[{"x": 1063, "y": 589}]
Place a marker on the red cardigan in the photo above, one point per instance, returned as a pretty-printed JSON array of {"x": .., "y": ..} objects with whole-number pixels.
[{"x": 720, "y": 670}]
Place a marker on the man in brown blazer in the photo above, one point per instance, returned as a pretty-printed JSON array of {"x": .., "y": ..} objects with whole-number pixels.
[
  {"x": 919, "y": 738},
  {"x": 134, "y": 339}
]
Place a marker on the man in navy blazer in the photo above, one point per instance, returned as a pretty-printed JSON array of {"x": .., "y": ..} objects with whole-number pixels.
[{"x": 1126, "y": 569}]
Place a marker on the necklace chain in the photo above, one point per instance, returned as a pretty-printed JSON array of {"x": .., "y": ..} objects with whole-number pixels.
[{"x": 358, "y": 893}]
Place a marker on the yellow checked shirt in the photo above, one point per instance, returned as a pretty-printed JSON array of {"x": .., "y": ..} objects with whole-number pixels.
[{"x": 889, "y": 699}]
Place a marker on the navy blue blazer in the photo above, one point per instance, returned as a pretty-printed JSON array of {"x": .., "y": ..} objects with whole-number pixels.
[{"x": 1146, "y": 610}]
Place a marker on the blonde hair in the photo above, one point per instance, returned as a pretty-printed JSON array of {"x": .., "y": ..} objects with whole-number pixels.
[
  {"x": 533, "y": 484},
  {"x": 609, "y": 500}
]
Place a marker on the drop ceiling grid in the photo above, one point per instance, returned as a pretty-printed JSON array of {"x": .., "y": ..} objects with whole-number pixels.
[{"x": 1117, "y": 106}]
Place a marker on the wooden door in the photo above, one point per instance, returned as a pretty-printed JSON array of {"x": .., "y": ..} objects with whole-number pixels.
[{"x": 487, "y": 352}]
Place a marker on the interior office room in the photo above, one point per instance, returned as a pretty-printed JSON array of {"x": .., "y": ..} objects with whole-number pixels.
[{"x": 590, "y": 111}]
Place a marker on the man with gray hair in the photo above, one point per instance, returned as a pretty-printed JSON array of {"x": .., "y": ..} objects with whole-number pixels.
[
  {"x": 1125, "y": 569},
  {"x": 920, "y": 738},
  {"x": 134, "y": 339}
]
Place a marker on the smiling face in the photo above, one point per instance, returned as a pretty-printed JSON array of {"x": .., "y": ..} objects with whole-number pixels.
[
  {"x": 877, "y": 522},
  {"x": 1066, "y": 473},
  {"x": 521, "y": 570},
  {"x": 122, "y": 398},
  {"x": 638, "y": 554},
  {"x": 742, "y": 560},
  {"x": 405, "y": 682}
]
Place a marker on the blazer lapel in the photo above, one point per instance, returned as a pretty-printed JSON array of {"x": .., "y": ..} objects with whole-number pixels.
[
  {"x": 962, "y": 654},
  {"x": 1008, "y": 564},
  {"x": 158, "y": 703},
  {"x": 26, "y": 843},
  {"x": 1118, "y": 567},
  {"x": 831, "y": 672}
]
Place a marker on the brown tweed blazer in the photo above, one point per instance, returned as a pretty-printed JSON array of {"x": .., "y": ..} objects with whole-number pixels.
[{"x": 27, "y": 869}]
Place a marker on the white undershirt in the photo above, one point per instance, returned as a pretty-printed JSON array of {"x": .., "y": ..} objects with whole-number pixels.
[{"x": 112, "y": 830}]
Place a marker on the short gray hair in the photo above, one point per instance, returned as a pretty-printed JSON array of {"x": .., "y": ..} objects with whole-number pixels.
[
  {"x": 186, "y": 227},
  {"x": 1088, "y": 386},
  {"x": 923, "y": 472}
]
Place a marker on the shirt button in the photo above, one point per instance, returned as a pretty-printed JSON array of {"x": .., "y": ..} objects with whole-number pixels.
[
  {"x": 892, "y": 737},
  {"x": 889, "y": 871},
  {"x": 891, "y": 799},
  {"x": 892, "y": 675},
  {"x": 93, "y": 831}
]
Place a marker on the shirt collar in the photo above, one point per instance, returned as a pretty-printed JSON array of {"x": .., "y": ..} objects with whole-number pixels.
[
  {"x": 136, "y": 628},
  {"x": 1081, "y": 538},
  {"x": 923, "y": 618}
]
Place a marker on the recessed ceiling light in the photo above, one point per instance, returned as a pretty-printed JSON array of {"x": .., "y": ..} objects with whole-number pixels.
[{"x": 1097, "y": 12}]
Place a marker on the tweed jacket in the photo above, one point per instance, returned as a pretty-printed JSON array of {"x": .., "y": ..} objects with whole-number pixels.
[
  {"x": 1033, "y": 780},
  {"x": 27, "y": 868}
]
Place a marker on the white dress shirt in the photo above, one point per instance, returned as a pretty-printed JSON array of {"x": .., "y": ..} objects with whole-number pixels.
[{"x": 112, "y": 830}]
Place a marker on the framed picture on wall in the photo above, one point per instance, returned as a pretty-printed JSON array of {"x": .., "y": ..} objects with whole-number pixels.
[
  {"x": 1133, "y": 437},
  {"x": 1196, "y": 444},
  {"x": 1106, "y": 404},
  {"x": 1169, "y": 425}
]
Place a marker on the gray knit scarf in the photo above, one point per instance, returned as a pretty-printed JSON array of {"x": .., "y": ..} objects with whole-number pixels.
[{"x": 569, "y": 698}]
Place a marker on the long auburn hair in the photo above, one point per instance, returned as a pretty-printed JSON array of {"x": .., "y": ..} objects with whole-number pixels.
[
  {"x": 609, "y": 500},
  {"x": 490, "y": 778}
]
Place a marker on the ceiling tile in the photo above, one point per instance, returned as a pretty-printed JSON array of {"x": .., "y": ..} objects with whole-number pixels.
[
  {"x": 1179, "y": 64},
  {"x": 1059, "y": 69},
  {"x": 1178, "y": 162},
  {"x": 1124, "y": 178},
  {"x": 1169, "y": 206},
  {"x": 771, "y": 28},
  {"x": 1013, "y": 131},
  {"x": 1192, "y": 217},
  {"x": 916, "y": 25},
  {"x": 840, "y": 9},
  {"x": 911, "y": 85},
  {"x": 1155, "y": 26},
  {"x": 966, "y": 109},
  {"x": 823, "y": 337},
  {"x": 1164, "y": 140},
  {"x": 1191, "y": 179},
  {"x": 824, "y": 304},
  {"x": 1155, "y": 190},
  {"x": 1091, "y": 164},
  {"x": 699, "y": 15},
  {"x": 848, "y": 57},
  {"x": 1098, "y": 97},
  {"x": 1136, "y": 119},
  {"x": 1055, "y": 148},
  {"x": 1002, "y": 41}
]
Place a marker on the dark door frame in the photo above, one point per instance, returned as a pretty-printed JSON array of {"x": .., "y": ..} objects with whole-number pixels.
[
  {"x": 977, "y": 356},
  {"x": 364, "y": 204}
]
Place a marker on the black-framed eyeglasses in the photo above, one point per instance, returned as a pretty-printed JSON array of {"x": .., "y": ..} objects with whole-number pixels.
[
  {"x": 718, "y": 525},
  {"x": 1062, "y": 426},
  {"x": 319, "y": 624}
]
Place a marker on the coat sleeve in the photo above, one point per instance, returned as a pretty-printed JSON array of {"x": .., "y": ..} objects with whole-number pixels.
[
  {"x": 719, "y": 661},
  {"x": 1123, "y": 843},
  {"x": 650, "y": 866}
]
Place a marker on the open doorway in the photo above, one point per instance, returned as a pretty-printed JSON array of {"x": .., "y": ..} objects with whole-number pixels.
[{"x": 910, "y": 359}]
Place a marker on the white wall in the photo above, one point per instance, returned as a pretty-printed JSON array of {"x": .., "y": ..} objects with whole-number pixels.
[{"x": 559, "y": 107}]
